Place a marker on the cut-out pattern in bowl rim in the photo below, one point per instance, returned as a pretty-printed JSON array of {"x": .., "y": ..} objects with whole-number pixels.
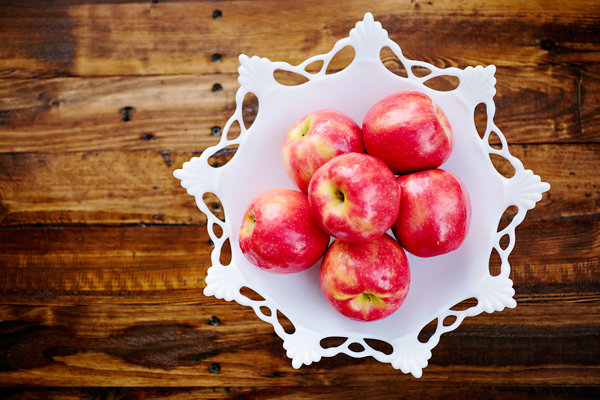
[{"x": 438, "y": 283}]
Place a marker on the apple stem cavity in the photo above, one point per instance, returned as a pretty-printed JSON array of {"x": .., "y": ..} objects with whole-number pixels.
[
  {"x": 251, "y": 221},
  {"x": 303, "y": 128},
  {"x": 339, "y": 195},
  {"x": 370, "y": 298}
]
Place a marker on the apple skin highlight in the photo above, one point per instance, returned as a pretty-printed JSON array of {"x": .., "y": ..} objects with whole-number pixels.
[
  {"x": 279, "y": 234},
  {"x": 316, "y": 139},
  {"x": 365, "y": 281},
  {"x": 354, "y": 197},
  {"x": 435, "y": 212},
  {"x": 408, "y": 132}
]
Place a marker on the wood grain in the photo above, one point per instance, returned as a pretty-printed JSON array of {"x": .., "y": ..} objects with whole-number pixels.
[
  {"x": 437, "y": 390},
  {"x": 130, "y": 38},
  {"x": 164, "y": 264},
  {"x": 550, "y": 104},
  {"x": 84, "y": 114},
  {"x": 105, "y": 187},
  {"x": 103, "y": 255},
  {"x": 146, "y": 344},
  {"x": 139, "y": 187}
]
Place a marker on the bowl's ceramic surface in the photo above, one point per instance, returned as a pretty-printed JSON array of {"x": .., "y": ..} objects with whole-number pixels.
[{"x": 438, "y": 283}]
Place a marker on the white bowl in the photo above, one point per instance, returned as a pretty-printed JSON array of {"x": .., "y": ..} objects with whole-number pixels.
[{"x": 438, "y": 283}]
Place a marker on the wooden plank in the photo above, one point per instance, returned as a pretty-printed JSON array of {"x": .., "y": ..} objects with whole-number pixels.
[
  {"x": 103, "y": 255},
  {"x": 102, "y": 320},
  {"x": 167, "y": 264},
  {"x": 138, "y": 187},
  {"x": 85, "y": 114},
  {"x": 534, "y": 104},
  {"x": 148, "y": 262},
  {"x": 101, "y": 371},
  {"x": 249, "y": 354},
  {"x": 588, "y": 89},
  {"x": 107, "y": 187},
  {"x": 433, "y": 391},
  {"x": 79, "y": 38},
  {"x": 107, "y": 329}
]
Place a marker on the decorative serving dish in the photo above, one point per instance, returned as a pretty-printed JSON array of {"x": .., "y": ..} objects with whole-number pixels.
[{"x": 438, "y": 283}]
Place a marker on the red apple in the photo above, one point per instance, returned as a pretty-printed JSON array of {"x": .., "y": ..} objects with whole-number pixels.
[
  {"x": 354, "y": 197},
  {"x": 435, "y": 212},
  {"x": 279, "y": 233},
  {"x": 316, "y": 139},
  {"x": 365, "y": 281},
  {"x": 408, "y": 132}
]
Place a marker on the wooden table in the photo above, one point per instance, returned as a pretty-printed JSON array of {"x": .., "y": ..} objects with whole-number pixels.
[{"x": 103, "y": 255}]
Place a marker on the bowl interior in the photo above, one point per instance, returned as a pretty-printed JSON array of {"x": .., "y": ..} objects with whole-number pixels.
[{"x": 437, "y": 283}]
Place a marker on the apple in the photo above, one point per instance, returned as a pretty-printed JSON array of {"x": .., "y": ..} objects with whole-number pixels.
[
  {"x": 365, "y": 281},
  {"x": 408, "y": 132},
  {"x": 355, "y": 197},
  {"x": 279, "y": 234},
  {"x": 435, "y": 212},
  {"x": 316, "y": 139}
]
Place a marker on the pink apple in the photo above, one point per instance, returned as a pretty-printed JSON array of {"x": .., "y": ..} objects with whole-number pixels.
[
  {"x": 316, "y": 139},
  {"x": 279, "y": 233},
  {"x": 408, "y": 132},
  {"x": 365, "y": 281},
  {"x": 354, "y": 197},
  {"x": 435, "y": 212}
]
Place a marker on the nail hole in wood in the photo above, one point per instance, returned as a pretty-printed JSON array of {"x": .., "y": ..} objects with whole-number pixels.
[
  {"x": 214, "y": 368},
  {"x": 147, "y": 136},
  {"x": 127, "y": 112},
  {"x": 222, "y": 156},
  {"x": 548, "y": 44}
]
